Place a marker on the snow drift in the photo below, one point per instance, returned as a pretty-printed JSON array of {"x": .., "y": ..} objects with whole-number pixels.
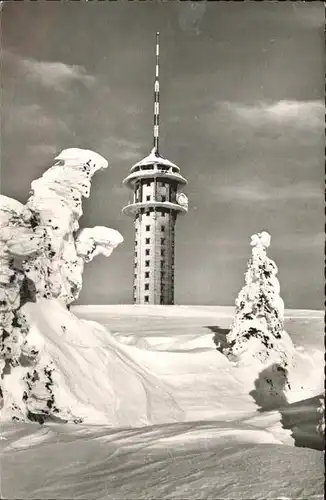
[
  {"x": 89, "y": 375},
  {"x": 176, "y": 461},
  {"x": 165, "y": 414}
]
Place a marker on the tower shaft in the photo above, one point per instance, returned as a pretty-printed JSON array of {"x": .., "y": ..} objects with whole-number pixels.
[{"x": 154, "y": 257}]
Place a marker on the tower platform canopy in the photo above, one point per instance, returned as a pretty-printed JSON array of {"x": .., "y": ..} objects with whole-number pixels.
[
  {"x": 154, "y": 157},
  {"x": 154, "y": 165}
]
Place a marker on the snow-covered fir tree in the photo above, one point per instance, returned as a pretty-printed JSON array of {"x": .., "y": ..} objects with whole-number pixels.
[
  {"x": 257, "y": 330},
  {"x": 42, "y": 257}
]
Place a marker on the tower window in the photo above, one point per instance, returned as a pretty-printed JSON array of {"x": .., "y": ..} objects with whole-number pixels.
[
  {"x": 162, "y": 253},
  {"x": 148, "y": 198},
  {"x": 147, "y": 274},
  {"x": 148, "y": 228},
  {"x": 162, "y": 241},
  {"x": 136, "y": 243},
  {"x": 146, "y": 263},
  {"x": 146, "y": 298},
  {"x": 163, "y": 198},
  {"x": 162, "y": 229},
  {"x": 147, "y": 251},
  {"x": 135, "y": 264},
  {"x": 146, "y": 286},
  {"x": 147, "y": 241}
]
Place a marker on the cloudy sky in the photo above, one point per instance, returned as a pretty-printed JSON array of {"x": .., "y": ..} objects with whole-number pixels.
[{"x": 242, "y": 114}]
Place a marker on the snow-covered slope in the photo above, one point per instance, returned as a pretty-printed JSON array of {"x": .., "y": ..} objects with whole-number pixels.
[
  {"x": 177, "y": 461},
  {"x": 165, "y": 414},
  {"x": 147, "y": 377}
]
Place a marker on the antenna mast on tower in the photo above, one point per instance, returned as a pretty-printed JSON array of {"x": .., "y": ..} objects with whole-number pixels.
[{"x": 157, "y": 97}]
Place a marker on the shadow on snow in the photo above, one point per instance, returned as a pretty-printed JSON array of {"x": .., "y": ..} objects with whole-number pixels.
[{"x": 301, "y": 417}]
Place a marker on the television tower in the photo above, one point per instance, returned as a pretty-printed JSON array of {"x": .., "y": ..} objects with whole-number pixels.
[{"x": 157, "y": 199}]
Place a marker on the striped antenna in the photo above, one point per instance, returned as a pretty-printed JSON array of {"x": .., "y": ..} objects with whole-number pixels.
[{"x": 157, "y": 97}]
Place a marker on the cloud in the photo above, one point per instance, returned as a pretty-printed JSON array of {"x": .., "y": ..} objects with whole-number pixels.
[
  {"x": 304, "y": 241},
  {"x": 122, "y": 149},
  {"x": 260, "y": 192},
  {"x": 39, "y": 125},
  {"x": 190, "y": 16},
  {"x": 300, "y": 114},
  {"x": 32, "y": 118},
  {"x": 48, "y": 74},
  {"x": 309, "y": 15},
  {"x": 55, "y": 74},
  {"x": 43, "y": 150}
]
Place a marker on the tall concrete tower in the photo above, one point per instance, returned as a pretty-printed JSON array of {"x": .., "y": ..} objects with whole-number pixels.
[{"x": 157, "y": 199}]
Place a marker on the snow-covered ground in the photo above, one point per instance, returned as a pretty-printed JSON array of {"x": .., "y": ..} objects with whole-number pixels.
[{"x": 165, "y": 415}]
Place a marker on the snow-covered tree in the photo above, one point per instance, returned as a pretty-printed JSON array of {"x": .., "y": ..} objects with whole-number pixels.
[
  {"x": 257, "y": 330},
  {"x": 42, "y": 257}
]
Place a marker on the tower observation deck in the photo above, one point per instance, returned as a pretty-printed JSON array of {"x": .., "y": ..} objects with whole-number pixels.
[{"x": 157, "y": 199}]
